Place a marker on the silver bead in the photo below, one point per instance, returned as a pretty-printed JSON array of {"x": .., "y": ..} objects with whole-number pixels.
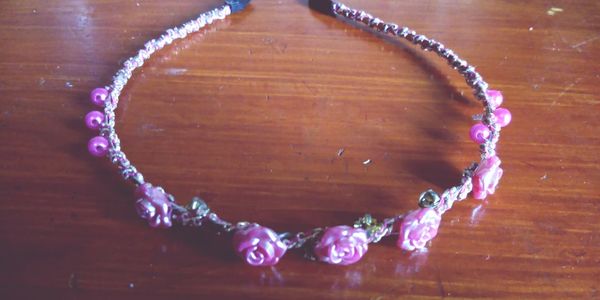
[
  {"x": 199, "y": 207},
  {"x": 429, "y": 198},
  {"x": 138, "y": 178}
]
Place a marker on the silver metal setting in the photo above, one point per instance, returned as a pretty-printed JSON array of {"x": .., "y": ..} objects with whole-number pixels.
[{"x": 429, "y": 198}]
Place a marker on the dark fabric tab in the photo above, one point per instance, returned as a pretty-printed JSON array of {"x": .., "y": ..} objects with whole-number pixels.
[
  {"x": 237, "y": 5},
  {"x": 322, "y": 6}
]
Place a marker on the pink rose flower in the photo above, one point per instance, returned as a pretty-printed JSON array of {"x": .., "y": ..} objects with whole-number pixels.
[
  {"x": 153, "y": 206},
  {"x": 258, "y": 245},
  {"x": 342, "y": 245},
  {"x": 417, "y": 228},
  {"x": 486, "y": 177}
]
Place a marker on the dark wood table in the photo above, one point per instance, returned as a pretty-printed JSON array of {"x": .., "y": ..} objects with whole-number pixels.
[{"x": 252, "y": 113}]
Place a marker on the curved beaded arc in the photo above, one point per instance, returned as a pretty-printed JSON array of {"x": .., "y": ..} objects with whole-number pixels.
[
  {"x": 122, "y": 76},
  {"x": 417, "y": 227},
  {"x": 472, "y": 77}
]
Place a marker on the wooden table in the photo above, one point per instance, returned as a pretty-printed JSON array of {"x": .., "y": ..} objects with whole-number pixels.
[{"x": 252, "y": 114}]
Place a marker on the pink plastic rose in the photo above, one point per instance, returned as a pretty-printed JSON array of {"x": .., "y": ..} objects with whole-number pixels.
[
  {"x": 342, "y": 245},
  {"x": 153, "y": 206},
  {"x": 417, "y": 228},
  {"x": 486, "y": 177},
  {"x": 258, "y": 245}
]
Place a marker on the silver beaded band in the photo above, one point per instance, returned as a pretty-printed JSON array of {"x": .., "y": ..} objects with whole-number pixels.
[{"x": 197, "y": 212}]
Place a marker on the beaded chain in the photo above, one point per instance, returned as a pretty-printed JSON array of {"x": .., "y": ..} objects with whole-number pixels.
[{"x": 342, "y": 245}]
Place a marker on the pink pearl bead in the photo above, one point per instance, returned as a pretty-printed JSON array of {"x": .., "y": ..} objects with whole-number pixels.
[
  {"x": 99, "y": 96},
  {"x": 495, "y": 98},
  {"x": 479, "y": 133},
  {"x": 98, "y": 146},
  {"x": 503, "y": 116},
  {"x": 94, "y": 119}
]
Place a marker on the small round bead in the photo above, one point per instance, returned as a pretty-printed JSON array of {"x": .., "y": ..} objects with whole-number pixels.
[
  {"x": 98, "y": 146},
  {"x": 99, "y": 96},
  {"x": 495, "y": 98},
  {"x": 94, "y": 119},
  {"x": 503, "y": 116},
  {"x": 479, "y": 133}
]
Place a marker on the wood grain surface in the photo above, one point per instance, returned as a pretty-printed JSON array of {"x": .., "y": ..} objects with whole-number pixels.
[{"x": 251, "y": 113}]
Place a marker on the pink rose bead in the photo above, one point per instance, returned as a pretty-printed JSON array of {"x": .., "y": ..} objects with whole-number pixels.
[
  {"x": 98, "y": 96},
  {"x": 94, "y": 119},
  {"x": 258, "y": 245},
  {"x": 98, "y": 146},
  {"x": 503, "y": 116},
  {"x": 417, "y": 228},
  {"x": 342, "y": 245},
  {"x": 153, "y": 206},
  {"x": 486, "y": 177},
  {"x": 479, "y": 133},
  {"x": 495, "y": 98}
]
